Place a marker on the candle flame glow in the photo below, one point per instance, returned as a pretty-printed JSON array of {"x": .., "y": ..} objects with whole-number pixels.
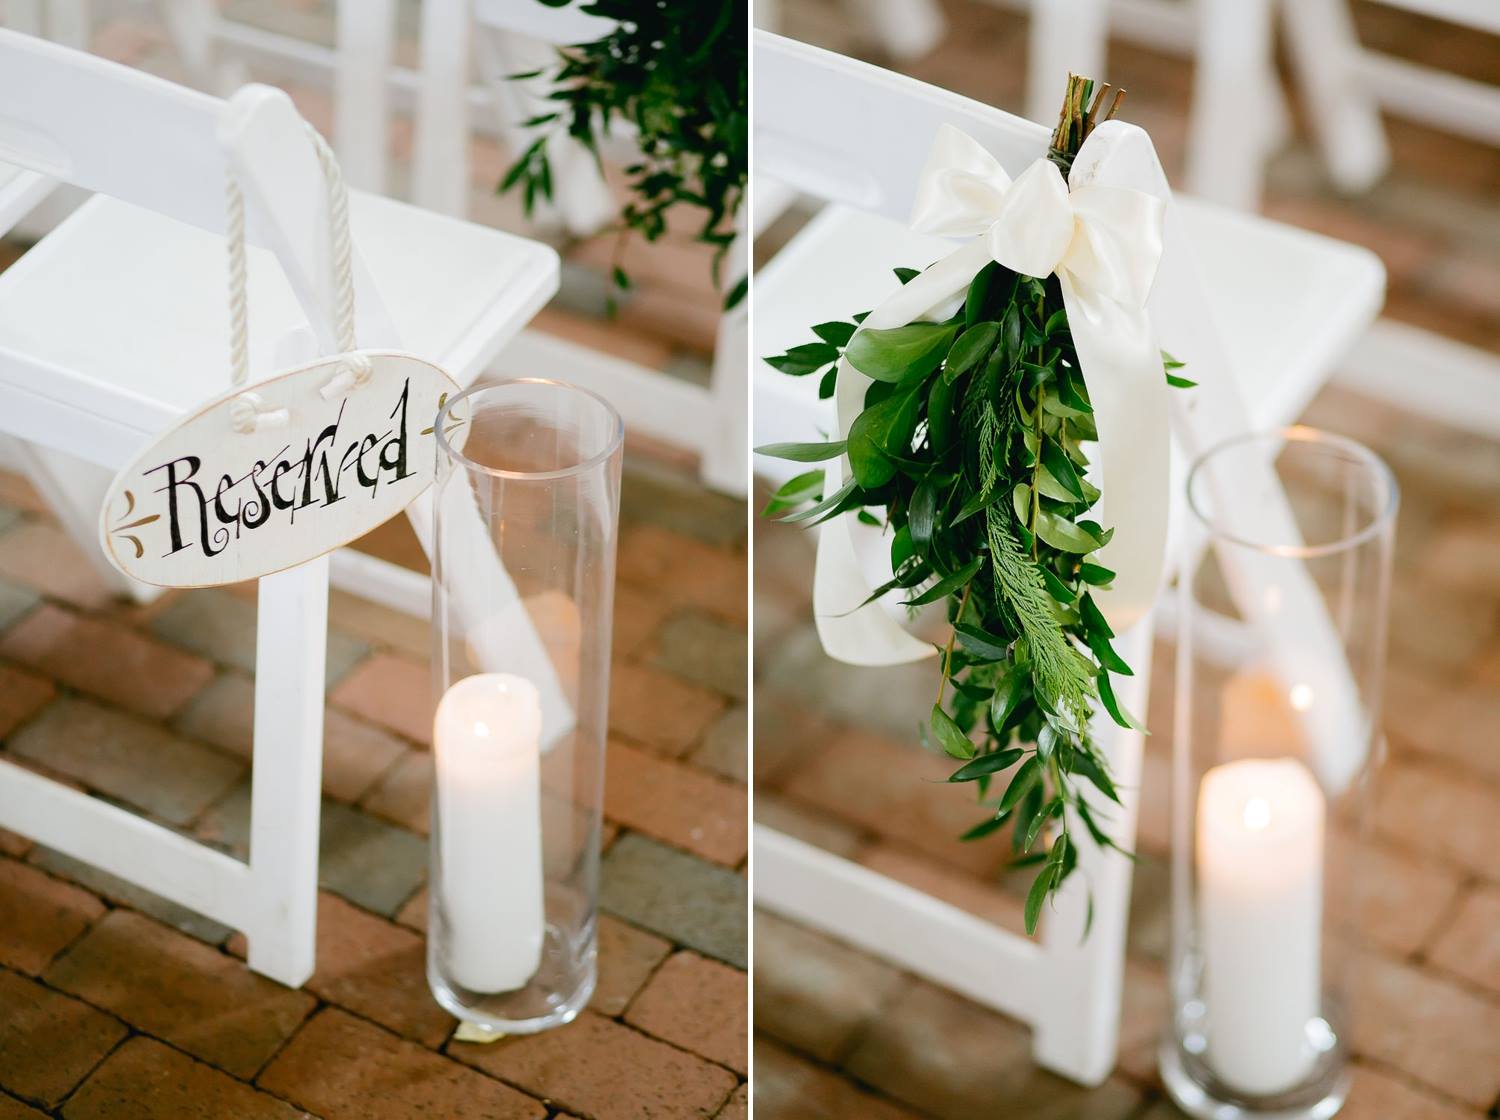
[
  {"x": 1257, "y": 813},
  {"x": 1301, "y": 697}
]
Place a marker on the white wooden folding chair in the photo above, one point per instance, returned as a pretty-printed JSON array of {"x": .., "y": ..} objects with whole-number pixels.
[
  {"x": 856, "y": 136},
  {"x": 116, "y": 325},
  {"x": 1347, "y": 85}
]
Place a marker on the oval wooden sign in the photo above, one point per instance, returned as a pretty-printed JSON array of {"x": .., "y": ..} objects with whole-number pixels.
[{"x": 206, "y": 505}]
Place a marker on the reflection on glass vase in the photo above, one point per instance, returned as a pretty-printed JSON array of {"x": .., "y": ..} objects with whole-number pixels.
[
  {"x": 1284, "y": 589},
  {"x": 526, "y": 511}
]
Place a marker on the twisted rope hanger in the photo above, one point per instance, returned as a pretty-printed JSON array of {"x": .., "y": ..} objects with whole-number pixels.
[{"x": 354, "y": 370}]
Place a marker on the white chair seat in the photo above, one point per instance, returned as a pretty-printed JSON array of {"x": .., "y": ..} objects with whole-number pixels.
[
  {"x": 123, "y": 313},
  {"x": 1321, "y": 294}
]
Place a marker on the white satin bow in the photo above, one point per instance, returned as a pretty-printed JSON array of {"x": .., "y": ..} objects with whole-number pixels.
[{"x": 1104, "y": 243}]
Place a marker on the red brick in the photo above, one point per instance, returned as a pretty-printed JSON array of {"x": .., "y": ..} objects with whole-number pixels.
[
  {"x": 127, "y": 757},
  {"x": 40, "y": 915},
  {"x": 1401, "y": 897},
  {"x": 1429, "y": 1028},
  {"x": 182, "y": 991},
  {"x": 48, "y": 1041},
  {"x": 413, "y": 914},
  {"x": 395, "y": 692},
  {"x": 982, "y": 897},
  {"x": 815, "y": 993},
  {"x": 738, "y": 1107},
  {"x": 599, "y": 1069},
  {"x": 43, "y": 556},
  {"x": 627, "y": 958},
  {"x": 638, "y": 614},
  {"x": 659, "y": 710},
  {"x": 12, "y": 1109},
  {"x": 144, "y": 1080},
  {"x": 700, "y": 812},
  {"x": 699, "y": 1005},
  {"x": 22, "y": 695},
  {"x": 897, "y": 791},
  {"x": 376, "y": 969},
  {"x": 343, "y": 1068},
  {"x": 107, "y": 660},
  {"x": 789, "y": 1088},
  {"x": 13, "y": 844},
  {"x": 1441, "y": 813},
  {"x": 370, "y": 620},
  {"x": 698, "y": 574},
  {"x": 404, "y": 794},
  {"x": 355, "y": 753},
  {"x": 1470, "y": 943},
  {"x": 1378, "y": 1095},
  {"x": 818, "y": 829}
]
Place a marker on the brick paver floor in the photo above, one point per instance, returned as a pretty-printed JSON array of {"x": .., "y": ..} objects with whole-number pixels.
[
  {"x": 841, "y": 1034},
  {"x": 117, "y": 1004}
]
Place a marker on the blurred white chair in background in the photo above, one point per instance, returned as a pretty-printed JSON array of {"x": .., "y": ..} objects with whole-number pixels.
[
  {"x": 710, "y": 420},
  {"x": 856, "y": 137},
  {"x": 1346, "y": 85}
]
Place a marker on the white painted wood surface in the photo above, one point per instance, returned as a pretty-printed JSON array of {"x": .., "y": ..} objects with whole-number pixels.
[
  {"x": 828, "y": 126},
  {"x": 152, "y": 239}
]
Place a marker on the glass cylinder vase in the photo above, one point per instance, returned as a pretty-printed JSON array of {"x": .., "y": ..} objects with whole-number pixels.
[
  {"x": 526, "y": 510},
  {"x": 1283, "y": 593}
]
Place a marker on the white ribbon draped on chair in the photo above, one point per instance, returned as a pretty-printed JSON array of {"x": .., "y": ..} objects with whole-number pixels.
[{"x": 1104, "y": 243}]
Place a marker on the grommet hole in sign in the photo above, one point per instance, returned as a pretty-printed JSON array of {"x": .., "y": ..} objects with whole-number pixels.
[{"x": 262, "y": 479}]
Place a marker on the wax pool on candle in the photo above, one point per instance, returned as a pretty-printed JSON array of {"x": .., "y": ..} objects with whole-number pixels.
[
  {"x": 486, "y": 743},
  {"x": 1260, "y": 898}
]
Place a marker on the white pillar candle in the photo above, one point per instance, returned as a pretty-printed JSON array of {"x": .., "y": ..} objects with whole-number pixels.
[
  {"x": 1260, "y": 899},
  {"x": 486, "y": 739}
]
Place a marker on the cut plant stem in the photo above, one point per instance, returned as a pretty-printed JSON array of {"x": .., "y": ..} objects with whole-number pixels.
[{"x": 948, "y": 652}]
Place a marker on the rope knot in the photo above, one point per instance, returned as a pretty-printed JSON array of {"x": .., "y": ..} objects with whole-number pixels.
[
  {"x": 246, "y": 416},
  {"x": 354, "y": 372}
]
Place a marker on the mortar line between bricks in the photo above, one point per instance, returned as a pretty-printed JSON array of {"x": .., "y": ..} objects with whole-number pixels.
[
  {"x": 319, "y": 1003},
  {"x": 844, "y": 1075},
  {"x": 1446, "y": 765},
  {"x": 1467, "y": 884},
  {"x": 1396, "y": 1073},
  {"x": 644, "y": 1033}
]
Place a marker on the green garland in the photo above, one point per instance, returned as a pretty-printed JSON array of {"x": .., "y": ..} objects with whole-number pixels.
[
  {"x": 679, "y": 74},
  {"x": 970, "y": 448}
]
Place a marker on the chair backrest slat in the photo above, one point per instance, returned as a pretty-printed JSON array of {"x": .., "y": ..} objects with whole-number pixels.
[
  {"x": 108, "y": 128},
  {"x": 845, "y": 131}
]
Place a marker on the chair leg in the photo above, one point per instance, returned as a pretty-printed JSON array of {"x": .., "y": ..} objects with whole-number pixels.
[
  {"x": 1226, "y": 160},
  {"x": 904, "y": 29},
  {"x": 190, "y": 25},
  {"x": 70, "y": 23},
  {"x": 726, "y": 455},
  {"x": 440, "y": 158},
  {"x": 361, "y": 110},
  {"x": 1067, "y": 36},
  {"x": 285, "y": 802},
  {"x": 1345, "y": 117},
  {"x": 1088, "y": 971},
  {"x": 24, "y": 16}
]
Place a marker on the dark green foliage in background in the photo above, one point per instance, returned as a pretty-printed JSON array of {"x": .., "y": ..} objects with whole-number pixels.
[{"x": 677, "y": 72}]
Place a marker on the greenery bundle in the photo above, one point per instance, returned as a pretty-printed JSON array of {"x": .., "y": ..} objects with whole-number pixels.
[
  {"x": 677, "y": 73},
  {"x": 970, "y": 448}
]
